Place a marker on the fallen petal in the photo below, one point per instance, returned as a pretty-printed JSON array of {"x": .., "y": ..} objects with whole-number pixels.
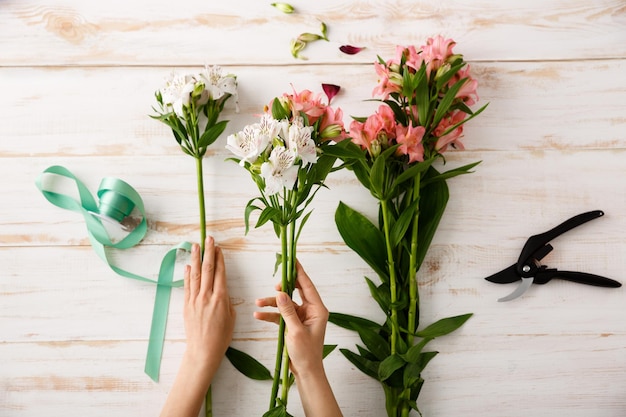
[
  {"x": 331, "y": 91},
  {"x": 350, "y": 50}
]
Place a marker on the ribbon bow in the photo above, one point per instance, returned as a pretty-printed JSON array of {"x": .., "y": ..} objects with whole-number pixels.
[{"x": 117, "y": 200}]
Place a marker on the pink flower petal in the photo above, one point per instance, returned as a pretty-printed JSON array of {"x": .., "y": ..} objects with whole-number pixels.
[
  {"x": 331, "y": 91},
  {"x": 350, "y": 50}
]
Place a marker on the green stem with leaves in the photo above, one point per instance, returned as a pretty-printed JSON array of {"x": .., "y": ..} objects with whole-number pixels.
[{"x": 413, "y": 291}]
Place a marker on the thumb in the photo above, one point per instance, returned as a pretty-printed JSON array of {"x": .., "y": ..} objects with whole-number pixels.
[{"x": 287, "y": 310}]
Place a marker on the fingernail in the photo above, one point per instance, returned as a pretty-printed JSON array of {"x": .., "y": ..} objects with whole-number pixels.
[
  {"x": 208, "y": 241},
  {"x": 282, "y": 298},
  {"x": 195, "y": 247}
]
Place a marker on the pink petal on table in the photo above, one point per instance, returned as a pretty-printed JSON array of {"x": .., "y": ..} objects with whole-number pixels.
[{"x": 350, "y": 50}]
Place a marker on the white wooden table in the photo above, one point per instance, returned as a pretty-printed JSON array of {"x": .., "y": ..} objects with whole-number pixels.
[{"x": 77, "y": 81}]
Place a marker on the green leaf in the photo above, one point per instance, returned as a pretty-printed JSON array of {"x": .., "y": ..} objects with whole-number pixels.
[
  {"x": 328, "y": 350},
  {"x": 345, "y": 150},
  {"x": 402, "y": 224},
  {"x": 269, "y": 213},
  {"x": 465, "y": 169},
  {"x": 389, "y": 365},
  {"x": 412, "y": 172},
  {"x": 278, "y": 111},
  {"x": 444, "y": 326},
  {"x": 433, "y": 201},
  {"x": 374, "y": 342},
  {"x": 414, "y": 352},
  {"x": 412, "y": 374},
  {"x": 279, "y": 260},
  {"x": 247, "y": 365},
  {"x": 348, "y": 321},
  {"x": 377, "y": 177},
  {"x": 362, "y": 237},
  {"x": 211, "y": 134},
  {"x": 278, "y": 411},
  {"x": 446, "y": 101},
  {"x": 250, "y": 207},
  {"x": 369, "y": 368},
  {"x": 380, "y": 294}
]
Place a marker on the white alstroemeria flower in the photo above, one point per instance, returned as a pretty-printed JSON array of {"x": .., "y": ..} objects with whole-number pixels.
[
  {"x": 300, "y": 140},
  {"x": 218, "y": 85},
  {"x": 178, "y": 90},
  {"x": 280, "y": 170},
  {"x": 269, "y": 127},
  {"x": 247, "y": 144}
]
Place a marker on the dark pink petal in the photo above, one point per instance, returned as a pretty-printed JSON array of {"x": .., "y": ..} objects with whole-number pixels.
[
  {"x": 331, "y": 91},
  {"x": 350, "y": 50}
]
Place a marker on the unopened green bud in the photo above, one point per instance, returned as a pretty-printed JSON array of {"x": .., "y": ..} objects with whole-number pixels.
[
  {"x": 284, "y": 7},
  {"x": 331, "y": 131},
  {"x": 375, "y": 148},
  {"x": 442, "y": 70},
  {"x": 324, "y": 30},
  {"x": 309, "y": 37}
]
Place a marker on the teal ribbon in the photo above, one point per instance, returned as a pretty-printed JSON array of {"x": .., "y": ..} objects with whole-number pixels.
[{"x": 117, "y": 200}]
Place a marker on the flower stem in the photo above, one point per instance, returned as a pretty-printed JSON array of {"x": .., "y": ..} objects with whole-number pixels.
[
  {"x": 413, "y": 292},
  {"x": 201, "y": 202},
  {"x": 280, "y": 347},
  {"x": 392, "y": 276},
  {"x": 200, "y": 179}
]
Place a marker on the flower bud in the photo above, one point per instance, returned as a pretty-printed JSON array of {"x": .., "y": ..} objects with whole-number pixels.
[
  {"x": 331, "y": 131},
  {"x": 324, "y": 30},
  {"x": 309, "y": 37},
  {"x": 296, "y": 47},
  {"x": 284, "y": 7},
  {"x": 442, "y": 70},
  {"x": 375, "y": 148}
]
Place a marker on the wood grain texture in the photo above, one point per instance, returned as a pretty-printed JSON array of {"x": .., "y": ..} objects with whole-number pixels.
[{"x": 78, "y": 80}]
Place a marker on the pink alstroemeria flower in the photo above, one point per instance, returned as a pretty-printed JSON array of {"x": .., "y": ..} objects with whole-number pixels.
[
  {"x": 307, "y": 103},
  {"x": 467, "y": 93},
  {"x": 410, "y": 140},
  {"x": 385, "y": 85},
  {"x": 365, "y": 134},
  {"x": 436, "y": 51},
  {"x": 387, "y": 121},
  {"x": 452, "y": 138}
]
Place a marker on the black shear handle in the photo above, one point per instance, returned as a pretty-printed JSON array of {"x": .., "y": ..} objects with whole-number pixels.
[
  {"x": 534, "y": 243},
  {"x": 579, "y": 277}
]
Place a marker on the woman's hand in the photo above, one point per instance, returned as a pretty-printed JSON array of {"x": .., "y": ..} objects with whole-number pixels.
[
  {"x": 306, "y": 326},
  {"x": 209, "y": 323}
]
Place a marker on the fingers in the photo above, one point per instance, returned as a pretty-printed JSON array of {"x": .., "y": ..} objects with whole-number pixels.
[
  {"x": 288, "y": 310},
  {"x": 308, "y": 292},
  {"x": 187, "y": 283},
  {"x": 219, "y": 278},
  {"x": 208, "y": 266},
  {"x": 194, "y": 272},
  {"x": 266, "y": 316},
  {"x": 266, "y": 302}
]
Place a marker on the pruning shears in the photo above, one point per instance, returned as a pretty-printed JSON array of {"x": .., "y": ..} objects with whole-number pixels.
[{"x": 529, "y": 269}]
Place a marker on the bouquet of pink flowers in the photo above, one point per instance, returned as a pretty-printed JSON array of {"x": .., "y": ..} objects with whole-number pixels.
[
  {"x": 287, "y": 154},
  {"x": 425, "y": 97}
]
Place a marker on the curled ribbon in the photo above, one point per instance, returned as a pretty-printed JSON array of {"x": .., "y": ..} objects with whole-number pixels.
[{"x": 117, "y": 200}]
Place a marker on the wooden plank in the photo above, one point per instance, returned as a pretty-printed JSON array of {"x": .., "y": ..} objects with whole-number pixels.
[
  {"x": 493, "y": 203},
  {"x": 104, "y": 111},
  {"x": 482, "y": 376},
  {"x": 72, "y": 32}
]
